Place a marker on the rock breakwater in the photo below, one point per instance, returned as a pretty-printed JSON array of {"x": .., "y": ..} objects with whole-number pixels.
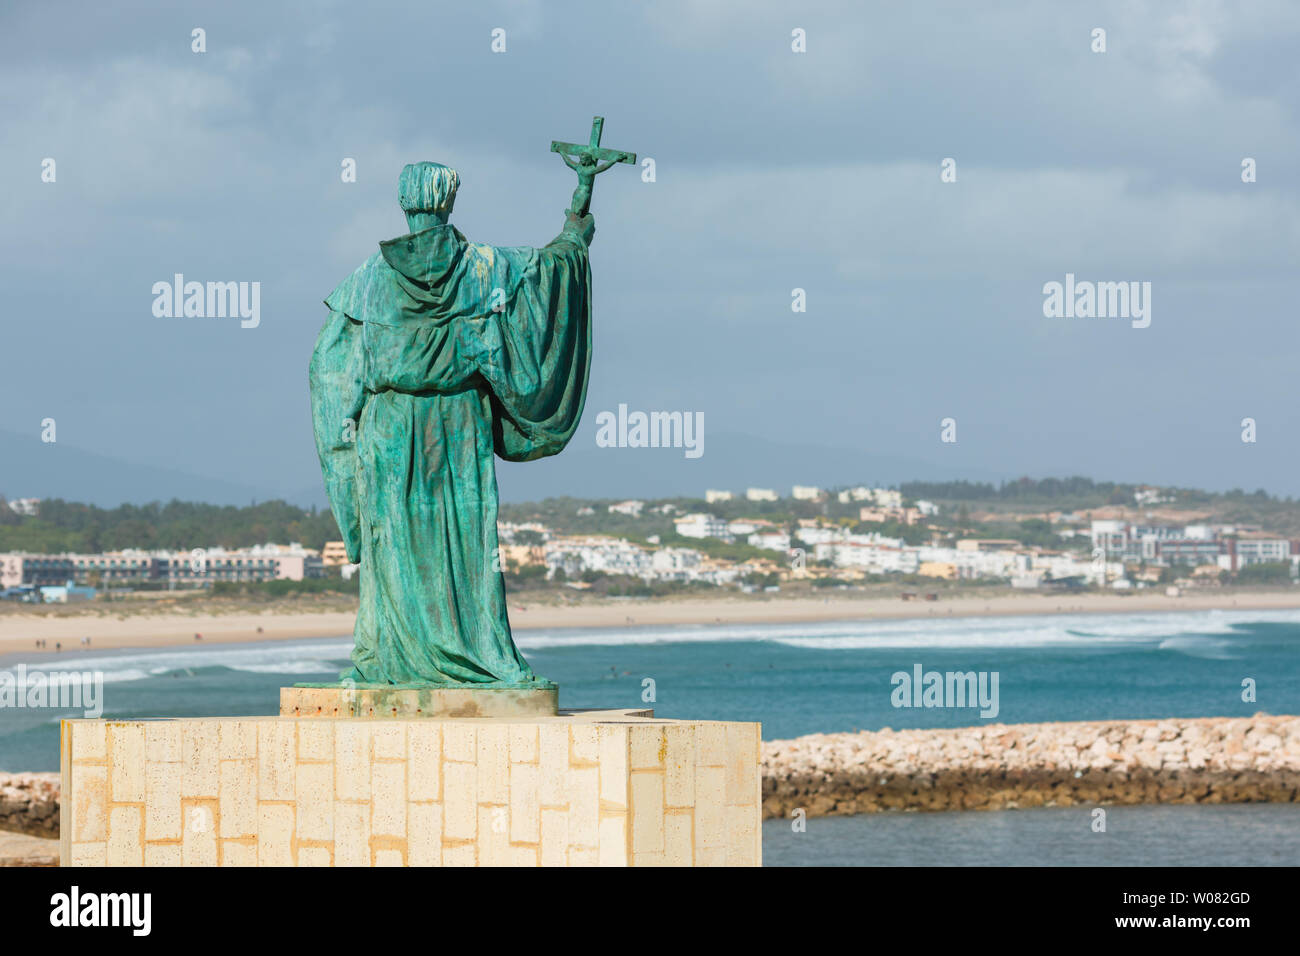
[{"x": 1004, "y": 766}]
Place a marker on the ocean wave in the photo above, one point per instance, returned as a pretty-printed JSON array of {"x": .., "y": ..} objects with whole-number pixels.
[
  {"x": 272, "y": 657},
  {"x": 1201, "y": 633},
  {"x": 1196, "y": 645},
  {"x": 69, "y": 676},
  {"x": 295, "y": 667},
  {"x": 1048, "y": 630}
]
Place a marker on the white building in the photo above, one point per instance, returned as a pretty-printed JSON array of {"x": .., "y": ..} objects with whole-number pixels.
[
  {"x": 770, "y": 541},
  {"x": 886, "y": 498},
  {"x": 702, "y": 525},
  {"x": 713, "y": 495},
  {"x": 1146, "y": 495},
  {"x": 630, "y": 508},
  {"x": 710, "y": 572},
  {"x": 760, "y": 494},
  {"x": 872, "y": 558},
  {"x": 1261, "y": 551},
  {"x": 805, "y": 493},
  {"x": 196, "y": 567},
  {"x": 1110, "y": 536},
  {"x": 818, "y": 534},
  {"x": 675, "y": 564},
  {"x": 882, "y": 497},
  {"x": 507, "y": 530},
  {"x": 973, "y": 563},
  {"x": 1067, "y": 566},
  {"x": 575, "y": 555}
]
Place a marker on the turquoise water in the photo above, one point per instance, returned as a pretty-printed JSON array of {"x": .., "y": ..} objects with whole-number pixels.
[
  {"x": 795, "y": 679},
  {"x": 1244, "y": 834}
]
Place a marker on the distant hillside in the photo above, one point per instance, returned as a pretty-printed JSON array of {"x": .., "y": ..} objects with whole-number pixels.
[
  {"x": 30, "y": 468},
  {"x": 731, "y": 460}
]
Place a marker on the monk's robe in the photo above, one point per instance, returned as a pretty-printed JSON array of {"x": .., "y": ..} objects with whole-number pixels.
[{"x": 439, "y": 353}]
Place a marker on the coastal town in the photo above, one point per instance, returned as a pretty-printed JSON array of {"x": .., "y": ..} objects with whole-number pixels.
[{"x": 751, "y": 540}]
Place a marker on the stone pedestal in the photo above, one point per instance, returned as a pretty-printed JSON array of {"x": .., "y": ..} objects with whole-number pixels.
[
  {"x": 387, "y": 700},
  {"x": 618, "y": 788}
]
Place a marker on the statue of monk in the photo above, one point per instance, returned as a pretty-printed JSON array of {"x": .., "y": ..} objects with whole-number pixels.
[{"x": 438, "y": 354}]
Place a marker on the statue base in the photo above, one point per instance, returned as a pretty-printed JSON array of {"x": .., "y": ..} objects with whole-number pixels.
[
  {"x": 611, "y": 788},
  {"x": 412, "y": 700}
]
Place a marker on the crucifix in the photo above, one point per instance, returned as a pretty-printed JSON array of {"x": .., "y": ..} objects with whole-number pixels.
[{"x": 587, "y": 160}]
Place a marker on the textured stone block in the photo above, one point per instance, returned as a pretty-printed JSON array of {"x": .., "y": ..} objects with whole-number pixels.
[
  {"x": 424, "y": 761},
  {"x": 199, "y": 835},
  {"x": 162, "y": 854},
  {"x": 275, "y": 823},
  {"x": 89, "y": 741},
  {"x": 424, "y": 834},
  {"x": 237, "y": 803},
  {"x": 200, "y": 758},
  {"x": 162, "y": 805},
  {"x": 276, "y": 760},
  {"x": 315, "y": 740},
  {"x": 351, "y": 834},
  {"x": 125, "y": 845},
  {"x": 388, "y": 786},
  {"x": 555, "y": 837},
  {"x": 611, "y": 788},
  {"x": 314, "y": 856},
  {"x": 162, "y": 741},
  {"x": 315, "y": 802},
  {"x": 90, "y": 810},
  {"x": 126, "y": 762}
]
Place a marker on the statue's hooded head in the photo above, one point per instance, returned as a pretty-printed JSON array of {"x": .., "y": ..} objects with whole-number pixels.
[{"x": 427, "y": 190}]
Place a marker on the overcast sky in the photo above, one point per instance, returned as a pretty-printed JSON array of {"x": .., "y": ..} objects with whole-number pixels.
[{"x": 775, "y": 170}]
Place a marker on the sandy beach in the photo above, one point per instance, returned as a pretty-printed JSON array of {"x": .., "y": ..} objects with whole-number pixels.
[{"x": 148, "y": 627}]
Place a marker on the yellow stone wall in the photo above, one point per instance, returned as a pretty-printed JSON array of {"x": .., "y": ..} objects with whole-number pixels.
[{"x": 600, "y": 788}]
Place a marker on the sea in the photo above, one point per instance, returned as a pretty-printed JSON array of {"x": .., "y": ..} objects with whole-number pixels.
[{"x": 824, "y": 677}]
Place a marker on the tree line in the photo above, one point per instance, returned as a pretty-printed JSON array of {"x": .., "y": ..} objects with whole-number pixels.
[{"x": 179, "y": 525}]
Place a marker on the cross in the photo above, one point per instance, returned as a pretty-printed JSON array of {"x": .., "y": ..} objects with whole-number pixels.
[{"x": 587, "y": 160}]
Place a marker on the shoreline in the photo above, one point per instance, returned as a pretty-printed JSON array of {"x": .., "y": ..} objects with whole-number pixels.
[{"x": 246, "y": 623}]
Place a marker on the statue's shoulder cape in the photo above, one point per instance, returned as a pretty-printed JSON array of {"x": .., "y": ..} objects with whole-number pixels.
[{"x": 431, "y": 276}]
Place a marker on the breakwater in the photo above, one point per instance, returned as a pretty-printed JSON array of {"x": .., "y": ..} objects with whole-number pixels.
[
  {"x": 29, "y": 803},
  {"x": 1001, "y": 766}
]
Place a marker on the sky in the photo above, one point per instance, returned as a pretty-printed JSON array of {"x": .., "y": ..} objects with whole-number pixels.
[{"x": 774, "y": 170}]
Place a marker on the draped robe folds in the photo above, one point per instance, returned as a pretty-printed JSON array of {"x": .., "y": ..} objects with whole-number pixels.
[{"x": 437, "y": 354}]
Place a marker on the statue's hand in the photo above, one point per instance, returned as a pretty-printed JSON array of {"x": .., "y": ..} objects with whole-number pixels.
[{"x": 584, "y": 226}]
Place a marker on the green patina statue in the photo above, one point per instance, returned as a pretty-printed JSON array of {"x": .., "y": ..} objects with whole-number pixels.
[{"x": 437, "y": 354}]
